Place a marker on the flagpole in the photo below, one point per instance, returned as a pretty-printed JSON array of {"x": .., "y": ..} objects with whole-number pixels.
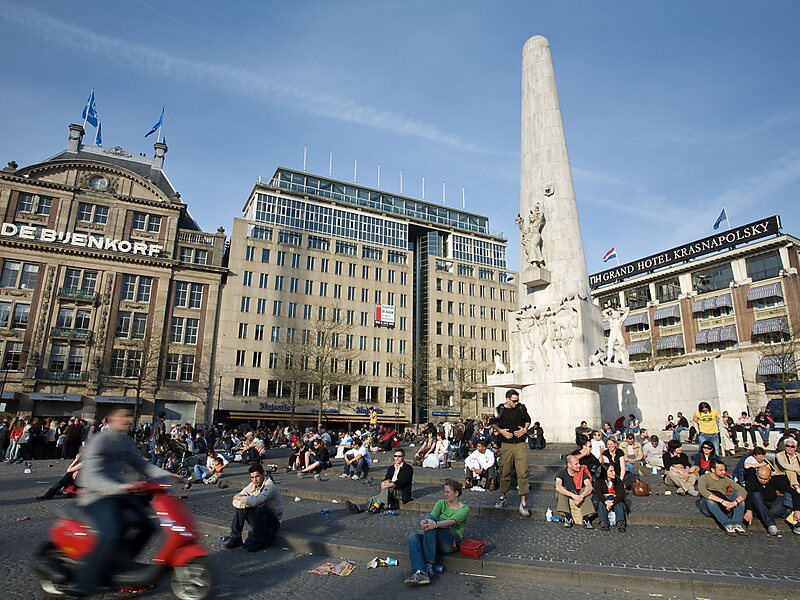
[
  {"x": 616, "y": 257},
  {"x": 86, "y": 111},
  {"x": 161, "y": 124},
  {"x": 727, "y": 218}
]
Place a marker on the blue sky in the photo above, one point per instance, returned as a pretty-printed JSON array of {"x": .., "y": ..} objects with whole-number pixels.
[{"x": 671, "y": 109}]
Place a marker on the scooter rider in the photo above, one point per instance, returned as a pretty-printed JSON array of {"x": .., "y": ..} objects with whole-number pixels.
[{"x": 111, "y": 468}]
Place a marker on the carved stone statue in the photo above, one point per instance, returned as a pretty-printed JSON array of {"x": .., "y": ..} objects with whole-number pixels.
[
  {"x": 616, "y": 343},
  {"x": 562, "y": 325},
  {"x": 499, "y": 367},
  {"x": 531, "y": 236}
]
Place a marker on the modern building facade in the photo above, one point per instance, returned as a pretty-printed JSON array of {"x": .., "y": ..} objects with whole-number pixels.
[
  {"x": 733, "y": 295},
  {"x": 343, "y": 298},
  {"x": 109, "y": 290}
]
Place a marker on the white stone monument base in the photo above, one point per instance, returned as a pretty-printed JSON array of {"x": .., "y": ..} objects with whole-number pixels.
[
  {"x": 535, "y": 277},
  {"x": 600, "y": 374},
  {"x": 560, "y": 407}
]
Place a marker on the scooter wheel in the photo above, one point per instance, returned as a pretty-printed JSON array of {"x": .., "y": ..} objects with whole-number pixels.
[
  {"x": 183, "y": 472},
  {"x": 193, "y": 581}
]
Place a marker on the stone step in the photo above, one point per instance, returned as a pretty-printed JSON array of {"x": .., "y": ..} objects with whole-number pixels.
[{"x": 642, "y": 560}]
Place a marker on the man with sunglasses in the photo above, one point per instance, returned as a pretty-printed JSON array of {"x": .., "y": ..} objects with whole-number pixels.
[
  {"x": 396, "y": 485},
  {"x": 511, "y": 429}
]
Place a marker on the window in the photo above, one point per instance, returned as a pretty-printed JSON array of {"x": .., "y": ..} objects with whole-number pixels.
[
  {"x": 309, "y": 262},
  {"x": 80, "y": 279},
  {"x": 184, "y": 330},
  {"x": 668, "y": 289},
  {"x": 276, "y": 308},
  {"x": 279, "y": 282},
  {"x": 245, "y": 386},
  {"x": 637, "y": 297},
  {"x": 245, "y": 304},
  {"x": 306, "y": 311},
  {"x": 20, "y": 317},
  {"x": 323, "y": 265},
  {"x": 125, "y": 363},
  {"x": 257, "y": 360},
  {"x": 258, "y": 335},
  {"x": 367, "y": 393},
  {"x": 323, "y": 289},
  {"x": 337, "y": 267},
  {"x": 242, "y": 331},
  {"x": 132, "y": 325},
  {"x": 276, "y": 334},
  {"x": 337, "y": 290},
  {"x": 294, "y": 282},
  {"x": 292, "y": 313},
  {"x": 240, "y": 358},
  {"x": 263, "y": 280},
  {"x": 247, "y": 278},
  {"x": 611, "y": 301},
  {"x": 351, "y": 293},
  {"x": 261, "y": 306},
  {"x": 309, "y": 289},
  {"x": 12, "y": 356},
  {"x": 19, "y": 275},
  {"x": 136, "y": 288},
  {"x": 146, "y": 222},
  {"x": 187, "y": 367},
  {"x": 715, "y": 278},
  {"x": 296, "y": 261},
  {"x": 249, "y": 253},
  {"x": 764, "y": 266},
  {"x": 30, "y": 203},
  {"x": 92, "y": 213},
  {"x": 265, "y": 255}
]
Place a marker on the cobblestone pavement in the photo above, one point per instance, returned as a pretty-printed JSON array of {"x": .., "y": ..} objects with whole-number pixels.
[
  {"x": 642, "y": 550},
  {"x": 276, "y": 572}
]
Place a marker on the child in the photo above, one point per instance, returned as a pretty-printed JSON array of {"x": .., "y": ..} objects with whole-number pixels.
[{"x": 216, "y": 471}]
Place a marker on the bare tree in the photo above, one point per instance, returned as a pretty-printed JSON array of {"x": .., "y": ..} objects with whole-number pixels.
[
  {"x": 778, "y": 361},
  {"x": 460, "y": 372},
  {"x": 320, "y": 358}
]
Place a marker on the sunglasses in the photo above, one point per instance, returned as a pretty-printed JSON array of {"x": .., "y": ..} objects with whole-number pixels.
[{"x": 399, "y": 456}]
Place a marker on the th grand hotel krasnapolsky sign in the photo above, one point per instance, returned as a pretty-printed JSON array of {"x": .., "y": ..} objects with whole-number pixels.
[{"x": 713, "y": 243}]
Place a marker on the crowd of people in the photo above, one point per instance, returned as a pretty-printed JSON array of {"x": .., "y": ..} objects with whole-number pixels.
[{"x": 594, "y": 487}]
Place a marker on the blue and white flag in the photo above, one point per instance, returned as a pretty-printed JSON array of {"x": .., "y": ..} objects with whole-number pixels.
[
  {"x": 98, "y": 136},
  {"x": 722, "y": 217},
  {"x": 90, "y": 111},
  {"x": 158, "y": 124}
]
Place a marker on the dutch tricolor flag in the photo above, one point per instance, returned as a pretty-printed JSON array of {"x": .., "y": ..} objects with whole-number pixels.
[{"x": 612, "y": 253}]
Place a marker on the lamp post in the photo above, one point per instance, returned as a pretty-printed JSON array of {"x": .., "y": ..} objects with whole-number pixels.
[{"x": 219, "y": 391}]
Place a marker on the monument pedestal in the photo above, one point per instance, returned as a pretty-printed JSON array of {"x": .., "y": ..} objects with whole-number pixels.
[{"x": 535, "y": 277}]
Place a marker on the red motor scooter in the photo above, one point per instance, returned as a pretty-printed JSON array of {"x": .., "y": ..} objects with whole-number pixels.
[{"x": 180, "y": 555}]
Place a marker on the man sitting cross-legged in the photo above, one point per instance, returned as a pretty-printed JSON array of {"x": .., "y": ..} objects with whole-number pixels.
[
  {"x": 209, "y": 470},
  {"x": 770, "y": 497},
  {"x": 396, "y": 486},
  {"x": 723, "y": 499},
  {"x": 573, "y": 487},
  {"x": 260, "y": 505},
  {"x": 479, "y": 469}
]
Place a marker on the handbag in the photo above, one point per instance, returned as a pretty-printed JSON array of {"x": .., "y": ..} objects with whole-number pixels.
[
  {"x": 641, "y": 488},
  {"x": 473, "y": 547}
]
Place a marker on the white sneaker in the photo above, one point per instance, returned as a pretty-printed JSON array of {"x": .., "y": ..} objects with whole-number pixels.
[
  {"x": 523, "y": 510},
  {"x": 476, "y": 488},
  {"x": 343, "y": 476},
  {"x": 501, "y": 502},
  {"x": 772, "y": 530},
  {"x": 316, "y": 477},
  {"x": 354, "y": 478}
]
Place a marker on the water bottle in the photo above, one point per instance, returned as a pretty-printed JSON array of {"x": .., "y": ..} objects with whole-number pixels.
[
  {"x": 612, "y": 518},
  {"x": 392, "y": 513},
  {"x": 548, "y": 515}
]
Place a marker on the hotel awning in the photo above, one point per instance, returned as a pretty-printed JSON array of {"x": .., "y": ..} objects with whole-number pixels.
[
  {"x": 775, "y": 364},
  {"x": 772, "y": 325},
  {"x": 670, "y": 342},
  {"x": 665, "y": 312},
  {"x": 640, "y": 347},
  {"x": 637, "y": 319},
  {"x": 704, "y": 304},
  {"x": 772, "y": 290}
]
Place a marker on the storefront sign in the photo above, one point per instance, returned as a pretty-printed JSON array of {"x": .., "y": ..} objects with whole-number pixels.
[
  {"x": 83, "y": 240},
  {"x": 56, "y": 397},
  {"x": 363, "y": 410},
  {"x": 274, "y": 407},
  {"x": 437, "y": 413},
  {"x": 719, "y": 241},
  {"x": 328, "y": 411}
]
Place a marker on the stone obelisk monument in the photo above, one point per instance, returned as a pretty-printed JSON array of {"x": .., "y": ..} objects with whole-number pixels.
[{"x": 557, "y": 349}]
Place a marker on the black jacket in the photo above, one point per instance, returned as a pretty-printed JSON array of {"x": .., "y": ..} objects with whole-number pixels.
[
  {"x": 773, "y": 490},
  {"x": 404, "y": 481},
  {"x": 600, "y": 490}
]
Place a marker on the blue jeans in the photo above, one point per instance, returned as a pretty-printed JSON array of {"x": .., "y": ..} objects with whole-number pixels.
[
  {"x": 422, "y": 547},
  {"x": 766, "y": 513},
  {"x": 764, "y": 433},
  {"x": 711, "y": 437},
  {"x": 720, "y": 514},
  {"x": 630, "y": 468},
  {"x": 676, "y": 433},
  {"x": 201, "y": 471},
  {"x": 618, "y": 510},
  {"x": 359, "y": 467}
]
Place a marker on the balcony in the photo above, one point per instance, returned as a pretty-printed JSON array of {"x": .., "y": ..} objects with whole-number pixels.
[
  {"x": 61, "y": 375},
  {"x": 80, "y": 295},
  {"x": 71, "y": 334}
]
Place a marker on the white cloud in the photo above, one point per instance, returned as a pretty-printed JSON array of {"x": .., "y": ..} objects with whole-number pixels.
[{"x": 227, "y": 78}]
